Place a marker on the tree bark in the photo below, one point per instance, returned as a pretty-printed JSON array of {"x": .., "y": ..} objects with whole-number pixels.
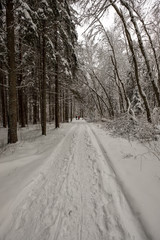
[
  {"x": 35, "y": 106},
  {"x": 43, "y": 88},
  {"x": 63, "y": 106},
  {"x": 35, "y": 91},
  {"x": 71, "y": 109},
  {"x": 50, "y": 101},
  {"x": 3, "y": 97},
  {"x": 66, "y": 107},
  {"x": 12, "y": 126},
  {"x": 26, "y": 109},
  {"x": 56, "y": 77},
  {"x": 20, "y": 90}
]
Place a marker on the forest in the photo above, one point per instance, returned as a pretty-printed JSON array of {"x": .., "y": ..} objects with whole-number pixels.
[
  {"x": 79, "y": 119},
  {"x": 48, "y": 75}
]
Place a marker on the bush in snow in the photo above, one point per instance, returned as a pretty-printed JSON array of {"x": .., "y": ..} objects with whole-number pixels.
[
  {"x": 126, "y": 127},
  {"x": 136, "y": 103},
  {"x": 155, "y": 115}
]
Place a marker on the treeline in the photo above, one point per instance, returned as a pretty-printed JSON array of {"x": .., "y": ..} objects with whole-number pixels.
[
  {"x": 121, "y": 63},
  {"x": 114, "y": 72},
  {"x": 37, "y": 63}
]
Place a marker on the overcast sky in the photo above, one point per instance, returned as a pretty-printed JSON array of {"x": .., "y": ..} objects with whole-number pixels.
[{"x": 107, "y": 20}]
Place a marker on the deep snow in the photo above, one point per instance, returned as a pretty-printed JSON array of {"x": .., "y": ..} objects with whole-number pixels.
[{"x": 78, "y": 183}]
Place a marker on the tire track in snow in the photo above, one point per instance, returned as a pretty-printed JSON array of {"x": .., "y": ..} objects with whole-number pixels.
[
  {"x": 81, "y": 194},
  {"x": 43, "y": 197},
  {"x": 58, "y": 229},
  {"x": 71, "y": 200}
]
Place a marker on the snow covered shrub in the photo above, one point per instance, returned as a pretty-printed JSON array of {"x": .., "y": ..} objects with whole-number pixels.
[
  {"x": 146, "y": 131},
  {"x": 136, "y": 103},
  {"x": 126, "y": 127},
  {"x": 121, "y": 126},
  {"x": 155, "y": 115}
]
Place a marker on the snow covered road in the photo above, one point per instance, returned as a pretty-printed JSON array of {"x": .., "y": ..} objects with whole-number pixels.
[{"x": 73, "y": 195}]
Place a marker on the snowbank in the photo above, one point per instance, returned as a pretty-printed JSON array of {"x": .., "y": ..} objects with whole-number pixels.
[{"x": 138, "y": 169}]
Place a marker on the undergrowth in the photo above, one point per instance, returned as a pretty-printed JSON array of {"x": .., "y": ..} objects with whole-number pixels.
[{"x": 127, "y": 127}]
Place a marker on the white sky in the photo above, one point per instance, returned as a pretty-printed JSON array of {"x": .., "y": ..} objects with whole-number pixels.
[{"x": 107, "y": 20}]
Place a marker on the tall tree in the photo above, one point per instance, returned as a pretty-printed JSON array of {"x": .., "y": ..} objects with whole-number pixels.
[
  {"x": 21, "y": 102},
  {"x": 143, "y": 51},
  {"x": 12, "y": 123},
  {"x": 3, "y": 97},
  {"x": 45, "y": 59},
  {"x": 56, "y": 64},
  {"x": 43, "y": 85},
  {"x": 136, "y": 71},
  {"x": 2, "y": 75}
]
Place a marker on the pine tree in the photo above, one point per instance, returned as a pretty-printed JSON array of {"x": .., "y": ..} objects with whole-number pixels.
[{"x": 12, "y": 122}]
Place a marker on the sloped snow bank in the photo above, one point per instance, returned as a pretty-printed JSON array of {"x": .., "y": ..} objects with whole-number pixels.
[
  {"x": 138, "y": 168},
  {"x": 21, "y": 163}
]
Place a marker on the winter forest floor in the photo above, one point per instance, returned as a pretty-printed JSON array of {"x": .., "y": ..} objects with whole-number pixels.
[{"x": 78, "y": 183}]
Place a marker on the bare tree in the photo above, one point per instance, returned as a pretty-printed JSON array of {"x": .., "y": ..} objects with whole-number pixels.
[
  {"x": 136, "y": 71},
  {"x": 143, "y": 51}
]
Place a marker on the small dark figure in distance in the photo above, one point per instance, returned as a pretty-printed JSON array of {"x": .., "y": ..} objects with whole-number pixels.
[{"x": 76, "y": 117}]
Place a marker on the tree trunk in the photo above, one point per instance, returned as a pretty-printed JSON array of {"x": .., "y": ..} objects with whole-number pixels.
[
  {"x": 20, "y": 90},
  {"x": 35, "y": 92},
  {"x": 71, "y": 110},
  {"x": 66, "y": 107},
  {"x": 12, "y": 127},
  {"x": 30, "y": 115},
  {"x": 53, "y": 106},
  {"x": 35, "y": 107},
  {"x": 3, "y": 97},
  {"x": 56, "y": 79},
  {"x": 50, "y": 101},
  {"x": 43, "y": 86},
  {"x": 130, "y": 42},
  {"x": 121, "y": 104},
  {"x": 63, "y": 106},
  {"x": 26, "y": 109},
  {"x": 114, "y": 62}
]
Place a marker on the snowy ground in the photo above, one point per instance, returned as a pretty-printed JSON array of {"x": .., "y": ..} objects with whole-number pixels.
[{"x": 77, "y": 183}]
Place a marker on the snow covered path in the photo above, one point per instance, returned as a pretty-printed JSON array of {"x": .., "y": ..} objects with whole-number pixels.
[{"x": 73, "y": 196}]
